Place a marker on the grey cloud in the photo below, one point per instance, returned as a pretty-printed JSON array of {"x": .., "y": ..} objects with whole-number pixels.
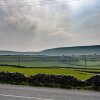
[{"x": 39, "y": 27}]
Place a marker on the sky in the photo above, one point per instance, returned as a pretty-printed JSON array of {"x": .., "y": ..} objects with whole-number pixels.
[{"x": 27, "y": 25}]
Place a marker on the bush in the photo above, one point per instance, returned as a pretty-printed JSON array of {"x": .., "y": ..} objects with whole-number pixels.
[
  {"x": 61, "y": 81},
  {"x": 94, "y": 81},
  {"x": 55, "y": 80},
  {"x": 12, "y": 77}
]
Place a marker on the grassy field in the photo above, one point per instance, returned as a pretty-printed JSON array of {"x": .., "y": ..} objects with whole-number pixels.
[
  {"x": 36, "y": 63},
  {"x": 55, "y": 67},
  {"x": 32, "y": 71},
  {"x": 78, "y": 64}
]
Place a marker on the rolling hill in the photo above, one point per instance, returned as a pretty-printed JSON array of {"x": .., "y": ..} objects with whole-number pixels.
[{"x": 78, "y": 50}]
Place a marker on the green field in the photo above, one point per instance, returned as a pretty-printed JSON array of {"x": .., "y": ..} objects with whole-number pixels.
[
  {"x": 32, "y": 71},
  {"x": 92, "y": 61},
  {"x": 31, "y": 65},
  {"x": 78, "y": 64},
  {"x": 36, "y": 63}
]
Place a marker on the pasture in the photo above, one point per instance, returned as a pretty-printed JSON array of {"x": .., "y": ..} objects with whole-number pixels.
[
  {"x": 51, "y": 61},
  {"x": 64, "y": 71},
  {"x": 76, "y": 64},
  {"x": 65, "y": 65}
]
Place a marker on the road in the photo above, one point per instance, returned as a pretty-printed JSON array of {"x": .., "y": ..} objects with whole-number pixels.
[{"x": 13, "y": 92}]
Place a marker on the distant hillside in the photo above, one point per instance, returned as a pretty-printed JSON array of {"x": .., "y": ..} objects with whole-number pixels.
[
  {"x": 79, "y": 50},
  {"x": 5, "y": 52}
]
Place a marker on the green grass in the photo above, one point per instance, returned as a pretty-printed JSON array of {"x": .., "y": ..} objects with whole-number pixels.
[
  {"x": 33, "y": 71},
  {"x": 36, "y": 63},
  {"x": 66, "y": 71},
  {"x": 78, "y": 64}
]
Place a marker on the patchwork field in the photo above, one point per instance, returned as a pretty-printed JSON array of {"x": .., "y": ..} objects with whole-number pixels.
[
  {"x": 66, "y": 65},
  {"x": 65, "y": 71},
  {"x": 78, "y": 64},
  {"x": 92, "y": 61}
]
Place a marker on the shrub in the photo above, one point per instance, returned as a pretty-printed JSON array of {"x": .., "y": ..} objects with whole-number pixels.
[
  {"x": 94, "y": 81},
  {"x": 62, "y": 81},
  {"x": 12, "y": 77},
  {"x": 55, "y": 80}
]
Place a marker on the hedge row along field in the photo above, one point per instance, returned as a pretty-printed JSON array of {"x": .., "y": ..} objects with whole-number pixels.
[{"x": 59, "y": 81}]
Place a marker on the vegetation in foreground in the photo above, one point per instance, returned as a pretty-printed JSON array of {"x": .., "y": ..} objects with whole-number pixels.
[
  {"x": 46, "y": 80},
  {"x": 69, "y": 78}
]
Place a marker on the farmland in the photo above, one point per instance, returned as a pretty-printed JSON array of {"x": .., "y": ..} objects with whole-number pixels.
[
  {"x": 93, "y": 61},
  {"x": 65, "y": 65},
  {"x": 64, "y": 71},
  {"x": 76, "y": 64}
]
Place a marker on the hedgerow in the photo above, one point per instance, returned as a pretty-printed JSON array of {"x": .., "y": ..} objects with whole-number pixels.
[{"x": 61, "y": 81}]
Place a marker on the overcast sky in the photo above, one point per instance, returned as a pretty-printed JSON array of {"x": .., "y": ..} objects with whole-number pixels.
[{"x": 42, "y": 26}]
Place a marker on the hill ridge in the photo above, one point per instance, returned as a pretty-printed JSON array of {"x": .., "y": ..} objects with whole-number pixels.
[{"x": 74, "y": 50}]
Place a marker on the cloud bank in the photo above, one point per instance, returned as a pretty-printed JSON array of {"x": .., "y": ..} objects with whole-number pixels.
[{"x": 41, "y": 26}]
